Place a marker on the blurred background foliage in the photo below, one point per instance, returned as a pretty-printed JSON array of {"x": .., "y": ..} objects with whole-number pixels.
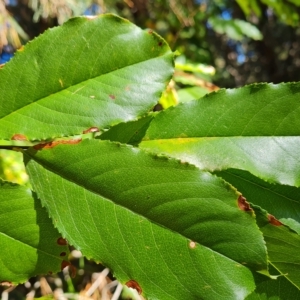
[{"x": 220, "y": 43}]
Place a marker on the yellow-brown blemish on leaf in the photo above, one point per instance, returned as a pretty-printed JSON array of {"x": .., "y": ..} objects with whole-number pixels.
[
  {"x": 91, "y": 129},
  {"x": 274, "y": 221},
  {"x": 61, "y": 83},
  {"x": 64, "y": 264},
  {"x": 243, "y": 204},
  {"x": 19, "y": 137},
  {"x": 6, "y": 283},
  {"x": 192, "y": 245},
  {"x": 134, "y": 285},
  {"x": 55, "y": 143}
]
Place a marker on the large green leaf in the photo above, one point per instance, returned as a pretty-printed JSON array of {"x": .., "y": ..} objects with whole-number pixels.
[
  {"x": 30, "y": 245},
  {"x": 282, "y": 201},
  {"x": 254, "y": 128},
  {"x": 61, "y": 83},
  {"x": 170, "y": 227},
  {"x": 283, "y": 246}
]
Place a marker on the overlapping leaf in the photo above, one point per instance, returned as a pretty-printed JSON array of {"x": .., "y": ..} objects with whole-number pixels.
[
  {"x": 172, "y": 228},
  {"x": 30, "y": 245},
  {"x": 254, "y": 128},
  {"x": 273, "y": 289},
  {"x": 282, "y": 201},
  {"x": 283, "y": 246},
  {"x": 86, "y": 73}
]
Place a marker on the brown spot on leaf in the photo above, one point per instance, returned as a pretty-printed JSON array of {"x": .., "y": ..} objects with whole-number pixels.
[
  {"x": 113, "y": 97},
  {"x": 55, "y": 143},
  {"x": 20, "y": 49},
  {"x": 62, "y": 254},
  {"x": 160, "y": 44},
  {"x": 274, "y": 221},
  {"x": 61, "y": 241},
  {"x": 1, "y": 66},
  {"x": 134, "y": 285},
  {"x": 50, "y": 272},
  {"x": 6, "y": 283},
  {"x": 192, "y": 245},
  {"x": 243, "y": 204},
  {"x": 19, "y": 137},
  {"x": 92, "y": 129},
  {"x": 150, "y": 31},
  {"x": 64, "y": 264},
  {"x": 73, "y": 271}
]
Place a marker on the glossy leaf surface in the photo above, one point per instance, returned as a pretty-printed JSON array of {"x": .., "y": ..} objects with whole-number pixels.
[
  {"x": 29, "y": 243},
  {"x": 254, "y": 128},
  {"x": 173, "y": 225},
  {"x": 90, "y": 72}
]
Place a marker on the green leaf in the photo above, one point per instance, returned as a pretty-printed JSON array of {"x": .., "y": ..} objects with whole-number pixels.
[
  {"x": 71, "y": 74},
  {"x": 249, "y": 6},
  {"x": 191, "y": 93},
  {"x": 235, "y": 29},
  {"x": 282, "y": 201},
  {"x": 172, "y": 228},
  {"x": 291, "y": 223},
  {"x": 283, "y": 245},
  {"x": 128, "y": 133},
  {"x": 30, "y": 245},
  {"x": 255, "y": 128}
]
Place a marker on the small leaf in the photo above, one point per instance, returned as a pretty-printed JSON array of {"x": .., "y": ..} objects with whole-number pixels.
[
  {"x": 71, "y": 74},
  {"x": 168, "y": 226},
  {"x": 28, "y": 239}
]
